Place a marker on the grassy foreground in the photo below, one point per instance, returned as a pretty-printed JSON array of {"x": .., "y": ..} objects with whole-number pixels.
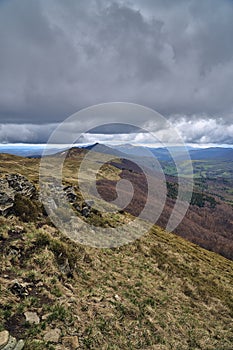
[{"x": 161, "y": 292}]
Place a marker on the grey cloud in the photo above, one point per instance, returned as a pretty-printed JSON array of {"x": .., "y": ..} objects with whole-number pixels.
[
  {"x": 60, "y": 56},
  {"x": 25, "y": 133},
  {"x": 199, "y": 130}
]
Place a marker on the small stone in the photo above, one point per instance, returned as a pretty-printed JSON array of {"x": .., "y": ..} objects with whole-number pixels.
[
  {"x": 44, "y": 317},
  {"x": 11, "y": 344},
  {"x": 116, "y": 297},
  {"x": 97, "y": 299},
  {"x": 86, "y": 211},
  {"x": 19, "y": 228},
  {"x": 39, "y": 284},
  {"x": 53, "y": 335},
  {"x": 72, "y": 299},
  {"x": 19, "y": 345},
  {"x": 4, "y": 336},
  {"x": 32, "y": 317},
  {"x": 19, "y": 289},
  {"x": 89, "y": 203},
  {"x": 65, "y": 268},
  {"x": 78, "y": 207},
  {"x": 70, "y": 342}
]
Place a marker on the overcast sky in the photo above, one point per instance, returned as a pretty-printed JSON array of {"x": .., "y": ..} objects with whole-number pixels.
[{"x": 175, "y": 56}]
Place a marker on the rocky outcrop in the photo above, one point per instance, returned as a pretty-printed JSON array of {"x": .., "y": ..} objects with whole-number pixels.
[
  {"x": 10, "y": 185},
  {"x": 7, "y": 195},
  {"x": 20, "y": 184}
]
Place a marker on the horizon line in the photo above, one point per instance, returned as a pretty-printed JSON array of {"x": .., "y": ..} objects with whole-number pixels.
[{"x": 63, "y": 145}]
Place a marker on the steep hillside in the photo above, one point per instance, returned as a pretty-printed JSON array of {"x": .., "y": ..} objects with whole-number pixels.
[
  {"x": 208, "y": 222},
  {"x": 160, "y": 292}
]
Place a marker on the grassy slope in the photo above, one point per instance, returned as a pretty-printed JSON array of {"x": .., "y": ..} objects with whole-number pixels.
[
  {"x": 15, "y": 164},
  {"x": 160, "y": 292}
]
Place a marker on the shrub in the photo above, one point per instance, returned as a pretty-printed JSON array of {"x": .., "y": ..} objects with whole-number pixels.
[
  {"x": 42, "y": 239},
  {"x": 25, "y": 208}
]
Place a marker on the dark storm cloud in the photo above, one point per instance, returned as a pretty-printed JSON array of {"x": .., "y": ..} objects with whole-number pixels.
[
  {"x": 60, "y": 56},
  {"x": 24, "y": 133}
]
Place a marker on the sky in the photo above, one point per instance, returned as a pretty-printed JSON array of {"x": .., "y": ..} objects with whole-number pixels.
[{"x": 174, "y": 56}]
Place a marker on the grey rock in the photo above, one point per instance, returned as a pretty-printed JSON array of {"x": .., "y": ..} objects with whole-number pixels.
[
  {"x": 85, "y": 211},
  {"x": 4, "y": 337},
  {"x": 20, "y": 184},
  {"x": 51, "y": 204},
  {"x": 9, "y": 186},
  {"x": 7, "y": 342},
  {"x": 32, "y": 317},
  {"x": 53, "y": 335},
  {"x": 19, "y": 289},
  {"x": 78, "y": 207},
  {"x": 20, "y": 345},
  {"x": 71, "y": 342},
  {"x": 89, "y": 203},
  {"x": 14, "y": 252},
  {"x": 70, "y": 194},
  {"x": 65, "y": 267},
  {"x": 11, "y": 344}
]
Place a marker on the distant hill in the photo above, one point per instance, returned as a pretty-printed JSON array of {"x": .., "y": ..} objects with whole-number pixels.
[
  {"x": 212, "y": 153},
  {"x": 120, "y": 150},
  {"x": 101, "y": 148},
  {"x": 130, "y": 149},
  {"x": 26, "y": 151},
  {"x": 140, "y": 151},
  {"x": 163, "y": 153}
]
